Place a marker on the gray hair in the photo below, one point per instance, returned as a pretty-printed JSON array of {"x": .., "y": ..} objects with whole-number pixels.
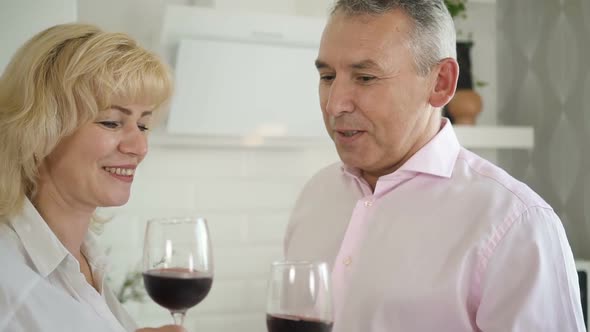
[{"x": 433, "y": 37}]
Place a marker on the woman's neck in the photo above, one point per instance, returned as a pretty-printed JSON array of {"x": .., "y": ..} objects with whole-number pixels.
[{"x": 68, "y": 222}]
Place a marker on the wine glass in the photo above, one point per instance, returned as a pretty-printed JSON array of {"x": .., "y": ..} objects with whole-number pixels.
[
  {"x": 299, "y": 297},
  {"x": 177, "y": 263}
]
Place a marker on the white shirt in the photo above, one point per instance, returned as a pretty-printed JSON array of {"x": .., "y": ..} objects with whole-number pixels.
[
  {"x": 448, "y": 242},
  {"x": 42, "y": 288}
]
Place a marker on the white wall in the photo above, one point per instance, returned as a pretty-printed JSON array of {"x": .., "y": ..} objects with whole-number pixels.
[
  {"x": 142, "y": 18},
  {"x": 21, "y": 19}
]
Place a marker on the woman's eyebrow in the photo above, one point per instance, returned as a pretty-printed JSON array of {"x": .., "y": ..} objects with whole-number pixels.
[{"x": 128, "y": 111}]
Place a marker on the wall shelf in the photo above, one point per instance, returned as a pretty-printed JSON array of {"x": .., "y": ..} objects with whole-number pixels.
[
  {"x": 472, "y": 137},
  {"x": 495, "y": 137}
]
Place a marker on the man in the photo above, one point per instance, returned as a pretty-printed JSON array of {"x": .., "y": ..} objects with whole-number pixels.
[{"x": 421, "y": 234}]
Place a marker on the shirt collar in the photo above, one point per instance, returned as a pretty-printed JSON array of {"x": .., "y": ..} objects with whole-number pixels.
[
  {"x": 45, "y": 249},
  {"x": 95, "y": 255},
  {"x": 39, "y": 241},
  {"x": 437, "y": 157}
]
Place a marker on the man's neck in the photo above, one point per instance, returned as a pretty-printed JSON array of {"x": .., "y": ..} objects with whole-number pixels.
[{"x": 432, "y": 128}]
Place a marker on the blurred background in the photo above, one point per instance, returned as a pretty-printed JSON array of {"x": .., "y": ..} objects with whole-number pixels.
[{"x": 529, "y": 55}]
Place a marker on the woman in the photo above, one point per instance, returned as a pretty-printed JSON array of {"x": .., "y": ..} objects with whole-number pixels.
[{"x": 75, "y": 107}]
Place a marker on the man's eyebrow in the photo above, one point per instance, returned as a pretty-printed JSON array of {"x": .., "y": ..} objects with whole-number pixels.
[
  {"x": 128, "y": 111},
  {"x": 365, "y": 64},
  {"x": 319, "y": 64}
]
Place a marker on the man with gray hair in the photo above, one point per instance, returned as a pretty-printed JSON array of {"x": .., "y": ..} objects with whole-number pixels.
[{"x": 421, "y": 234}]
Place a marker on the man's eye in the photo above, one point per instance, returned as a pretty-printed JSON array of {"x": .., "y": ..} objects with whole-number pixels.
[
  {"x": 327, "y": 78},
  {"x": 366, "y": 79},
  {"x": 109, "y": 124}
]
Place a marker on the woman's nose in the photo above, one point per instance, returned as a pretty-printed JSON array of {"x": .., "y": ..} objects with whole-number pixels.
[{"x": 134, "y": 142}]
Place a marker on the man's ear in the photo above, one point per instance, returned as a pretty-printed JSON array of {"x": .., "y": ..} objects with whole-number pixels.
[{"x": 447, "y": 73}]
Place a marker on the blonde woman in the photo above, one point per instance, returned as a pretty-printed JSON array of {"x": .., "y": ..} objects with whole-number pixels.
[{"x": 75, "y": 107}]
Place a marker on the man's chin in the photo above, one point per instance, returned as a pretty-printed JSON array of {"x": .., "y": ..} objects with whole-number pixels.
[{"x": 352, "y": 160}]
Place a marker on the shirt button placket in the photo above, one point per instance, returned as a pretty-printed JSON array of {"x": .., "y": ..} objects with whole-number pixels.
[{"x": 347, "y": 261}]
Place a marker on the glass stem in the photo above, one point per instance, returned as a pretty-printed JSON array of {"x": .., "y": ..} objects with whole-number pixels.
[{"x": 178, "y": 317}]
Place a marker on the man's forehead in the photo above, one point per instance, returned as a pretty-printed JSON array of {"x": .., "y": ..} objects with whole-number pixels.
[{"x": 362, "y": 40}]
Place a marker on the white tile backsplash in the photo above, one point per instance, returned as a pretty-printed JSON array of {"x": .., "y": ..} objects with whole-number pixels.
[
  {"x": 266, "y": 229},
  {"x": 246, "y": 195},
  {"x": 161, "y": 192},
  {"x": 227, "y": 230},
  {"x": 245, "y": 262}
]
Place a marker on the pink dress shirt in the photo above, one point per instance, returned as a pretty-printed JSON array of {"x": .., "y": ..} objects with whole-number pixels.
[{"x": 448, "y": 242}]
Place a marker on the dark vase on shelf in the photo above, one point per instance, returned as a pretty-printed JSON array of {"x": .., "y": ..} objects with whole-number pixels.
[
  {"x": 466, "y": 105},
  {"x": 464, "y": 59}
]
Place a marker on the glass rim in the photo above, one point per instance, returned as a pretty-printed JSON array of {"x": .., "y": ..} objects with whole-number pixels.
[{"x": 177, "y": 220}]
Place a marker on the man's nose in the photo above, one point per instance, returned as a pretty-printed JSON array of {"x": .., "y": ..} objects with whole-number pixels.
[{"x": 339, "y": 98}]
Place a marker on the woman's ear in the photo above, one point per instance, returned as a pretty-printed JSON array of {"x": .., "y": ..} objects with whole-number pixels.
[{"x": 447, "y": 73}]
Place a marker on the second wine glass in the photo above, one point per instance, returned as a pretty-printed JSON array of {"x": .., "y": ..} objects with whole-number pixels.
[
  {"x": 177, "y": 263},
  {"x": 299, "y": 297}
]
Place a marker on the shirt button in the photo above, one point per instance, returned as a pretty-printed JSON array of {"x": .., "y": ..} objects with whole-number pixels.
[
  {"x": 368, "y": 203},
  {"x": 347, "y": 261}
]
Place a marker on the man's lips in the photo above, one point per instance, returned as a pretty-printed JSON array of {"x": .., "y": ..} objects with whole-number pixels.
[
  {"x": 348, "y": 132},
  {"x": 347, "y": 137}
]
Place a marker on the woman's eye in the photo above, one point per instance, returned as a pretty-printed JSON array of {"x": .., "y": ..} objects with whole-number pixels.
[
  {"x": 109, "y": 124},
  {"x": 143, "y": 127}
]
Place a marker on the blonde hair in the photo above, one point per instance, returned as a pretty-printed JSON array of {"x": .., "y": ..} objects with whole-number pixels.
[{"x": 59, "y": 80}]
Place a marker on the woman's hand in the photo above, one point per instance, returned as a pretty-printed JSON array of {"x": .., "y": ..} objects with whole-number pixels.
[{"x": 165, "y": 328}]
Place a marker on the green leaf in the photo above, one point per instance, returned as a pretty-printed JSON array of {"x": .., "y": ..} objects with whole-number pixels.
[{"x": 456, "y": 7}]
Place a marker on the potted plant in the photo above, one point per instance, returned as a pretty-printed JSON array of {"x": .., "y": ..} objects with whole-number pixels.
[
  {"x": 456, "y": 7},
  {"x": 466, "y": 105}
]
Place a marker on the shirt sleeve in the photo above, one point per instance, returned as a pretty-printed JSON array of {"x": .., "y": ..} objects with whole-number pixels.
[{"x": 531, "y": 282}]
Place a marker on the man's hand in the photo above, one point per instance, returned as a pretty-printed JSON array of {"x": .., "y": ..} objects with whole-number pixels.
[{"x": 165, "y": 328}]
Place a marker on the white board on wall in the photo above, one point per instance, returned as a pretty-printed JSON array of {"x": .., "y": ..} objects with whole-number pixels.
[
  {"x": 21, "y": 19},
  {"x": 242, "y": 74},
  {"x": 232, "y": 88}
]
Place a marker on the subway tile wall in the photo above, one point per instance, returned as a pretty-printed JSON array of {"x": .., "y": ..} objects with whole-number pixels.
[{"x": 246, "y": 194}]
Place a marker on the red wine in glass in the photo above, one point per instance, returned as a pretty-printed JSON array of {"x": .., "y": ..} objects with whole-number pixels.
[
  {"x": 287, "y": 323},
  {"x": 177, "y": 289},
  {"x": 177, "y": 263},
  {"x": 299, "y": 297}
]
